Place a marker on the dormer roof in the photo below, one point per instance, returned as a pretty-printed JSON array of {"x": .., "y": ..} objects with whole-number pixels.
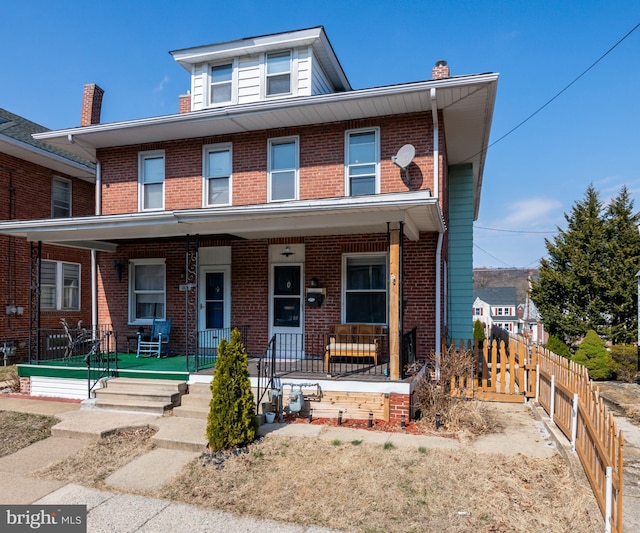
[{"x": 314, "y": 37}]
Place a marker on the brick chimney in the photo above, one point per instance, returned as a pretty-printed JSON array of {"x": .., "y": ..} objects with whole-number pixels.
[
  {"x": 184, "y": 103},
  {"x": 441, "y": 70},
  {"x": 91, "y": 105}
]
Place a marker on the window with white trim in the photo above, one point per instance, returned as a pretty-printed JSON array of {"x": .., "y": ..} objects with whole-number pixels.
[
  {"x": 59, "y": 286},
  {"x": 278, "y": 73},
  {"x": 365, "y": 289},
  {"x": 221, "y": 84},
  {"x": 283, "y": 169},
  {"x": 151, "y": 180},
  {"x": 217, "y": 174},
  {"x": 60, "y": 198},
  {"x": 362, "y": 162},
  {"x": 147, "y": 290}
]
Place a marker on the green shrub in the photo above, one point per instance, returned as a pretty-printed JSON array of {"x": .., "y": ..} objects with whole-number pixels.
[
  {"x": 625, "y": 359},
  {"x": 231, "y": 422},
  {"x": 593, "y": 354},
  {"x": 478, "y": 331},
  {"x": 556, "y": 345}
]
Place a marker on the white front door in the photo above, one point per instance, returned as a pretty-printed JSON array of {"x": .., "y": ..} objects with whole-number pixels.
[
  {"x": 286, "y": 308},
  {"x": 214, "y": 308}
]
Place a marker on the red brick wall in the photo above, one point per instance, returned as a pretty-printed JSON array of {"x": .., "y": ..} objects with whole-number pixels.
[
  {"x": 25, "y": 193},
  {"x": 399, "y": 404},
  {"x": 321, "y": 163}
]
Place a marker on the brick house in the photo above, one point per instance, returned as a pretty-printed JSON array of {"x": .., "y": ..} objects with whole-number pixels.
[
  {"x": 282, "y": 201},
  {"x": 39, "y": 181}
]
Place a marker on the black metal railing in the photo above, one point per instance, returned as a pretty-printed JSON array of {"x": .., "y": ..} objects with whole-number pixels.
[
  {"x": 408, "y": 359},
  {"x": 102, "y": 358},
  {"x": 69, "y": 346},
  {"x": 207, "y": 347}
]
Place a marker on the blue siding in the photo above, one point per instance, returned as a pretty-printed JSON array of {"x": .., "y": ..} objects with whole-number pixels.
[{"x": 460, "y": 228}]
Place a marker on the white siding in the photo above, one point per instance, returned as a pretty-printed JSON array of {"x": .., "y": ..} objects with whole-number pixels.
[
  {"x": 320, "y": 82},
  {"x": 249, "y": 77},
  {"x": 304, "y": 72},
  {"x": 59, "y": 387},
  {"x": 198, "y": 88}
]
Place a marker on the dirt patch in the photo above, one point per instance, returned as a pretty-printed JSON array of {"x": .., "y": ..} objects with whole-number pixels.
[
  {"x": 18, "y": 430},
  {"x": 622, "y": 398}
]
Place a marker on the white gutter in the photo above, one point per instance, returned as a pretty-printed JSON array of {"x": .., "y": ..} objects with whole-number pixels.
[
  {"x": 94, "y": 258},
  {"x": 436, "y": 194},
  {"x": 438, "y": 305},
  {"x": 436, "y": 154}
]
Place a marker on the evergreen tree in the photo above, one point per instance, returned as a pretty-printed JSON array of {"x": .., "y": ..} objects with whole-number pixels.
[
  {"x": 571, "y": 285},
  {"x": 231, "y": 420},
  {"x": 478, "y": 331},
  {"x": 593, "y": 354},
  {"x": 623, "y": 262},
  {"x": 558, "y": 347}
]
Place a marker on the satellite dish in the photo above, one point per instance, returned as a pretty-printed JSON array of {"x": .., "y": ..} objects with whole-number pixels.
[{"x": 404, "y": 156}]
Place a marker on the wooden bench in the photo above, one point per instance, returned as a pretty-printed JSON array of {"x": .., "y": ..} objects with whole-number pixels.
[{"x": 353, "y": 340}]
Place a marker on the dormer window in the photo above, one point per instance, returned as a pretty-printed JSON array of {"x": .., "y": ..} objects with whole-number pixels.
[
  {"x": 279, "y": 73},
  {"x": 221, "y": 83}
]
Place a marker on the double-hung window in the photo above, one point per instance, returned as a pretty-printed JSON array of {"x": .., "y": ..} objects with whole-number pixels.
[
  {"x": 147, "y": 290},
  {"x": 365, "y": 289},
  {"x": 151, "y": 180},
  {"x": 60, "y": 198},
  {"x": 283, "y": 169},
  {"x": 59, "y": 285},
  {"x": 362, "y": 162},
  {"x": 217, "y": 174},
  {"x": 221, "y": 83},
  {"x": 279, "y": 73}
]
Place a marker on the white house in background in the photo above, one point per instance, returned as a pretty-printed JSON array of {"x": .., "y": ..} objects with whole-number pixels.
[{"x": 497, "y": 306}]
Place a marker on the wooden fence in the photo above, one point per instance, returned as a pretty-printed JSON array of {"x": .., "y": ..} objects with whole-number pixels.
[
  {"x": 572, "y": 401},
  {"x": 507, "y": 369}
]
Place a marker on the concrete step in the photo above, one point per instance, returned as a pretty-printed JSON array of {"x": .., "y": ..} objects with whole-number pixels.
[
  {"x": 154, "y": 396},
  {"x": 186, "y": 434},
  {"x": 195, "y": 404}
]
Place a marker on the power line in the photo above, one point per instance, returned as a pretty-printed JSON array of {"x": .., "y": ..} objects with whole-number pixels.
[{"x": 518, "y": 231}]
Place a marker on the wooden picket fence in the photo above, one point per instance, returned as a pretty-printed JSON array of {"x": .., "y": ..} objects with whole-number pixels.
[
  {"x": 507, "y": 369},
  {"x": 573, "y": 402}
]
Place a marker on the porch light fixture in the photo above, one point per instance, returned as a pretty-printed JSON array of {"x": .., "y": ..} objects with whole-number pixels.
[
  {"x": 287, "y": 252},
  {"x": 118, "y": 266},
  {"x": 314, "y": 283}
]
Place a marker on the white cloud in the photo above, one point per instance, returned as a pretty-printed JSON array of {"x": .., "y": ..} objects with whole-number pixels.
[
  {"x": 532, "y": 212},
  {"x": 160, "y": 87}
]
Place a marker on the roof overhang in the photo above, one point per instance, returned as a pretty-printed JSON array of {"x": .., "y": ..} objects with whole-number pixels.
[
  {"x": 38, "y": 156},
  {"x": 416, "y": 210},
  {"x": 466, "y": 103}
]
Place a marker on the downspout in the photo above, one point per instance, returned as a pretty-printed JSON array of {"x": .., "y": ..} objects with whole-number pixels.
[
  {"x": 436, "y": 194},
  {"x": 94, "y": 259}
]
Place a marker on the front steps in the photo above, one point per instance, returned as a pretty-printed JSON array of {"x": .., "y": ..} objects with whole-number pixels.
[
  {"x": 195, "y": 404},
  {"x": 149, "y": 396}
]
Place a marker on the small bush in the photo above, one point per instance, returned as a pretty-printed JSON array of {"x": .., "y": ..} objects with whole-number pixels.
[
  {"x": 478, "y": 331},
  {"x": 231, "y": 422},
  {"x": 593, "y": 354},
  {"x": 556, "y": 345},
  {"x": 625, "y": 360}
]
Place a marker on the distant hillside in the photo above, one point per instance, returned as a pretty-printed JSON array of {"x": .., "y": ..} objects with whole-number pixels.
[{"x": 505, "y": 277}]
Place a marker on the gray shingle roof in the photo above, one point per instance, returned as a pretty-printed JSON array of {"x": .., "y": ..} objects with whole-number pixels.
[
  {"x": 20, "y": 129},
  {"x": 497, "y": 295}
]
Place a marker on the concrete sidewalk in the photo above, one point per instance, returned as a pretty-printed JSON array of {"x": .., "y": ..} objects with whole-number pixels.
[{"x": 178, "y": 441}]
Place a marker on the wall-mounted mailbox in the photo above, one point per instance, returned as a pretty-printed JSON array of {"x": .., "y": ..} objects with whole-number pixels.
[{"x": 315, "y": 296}]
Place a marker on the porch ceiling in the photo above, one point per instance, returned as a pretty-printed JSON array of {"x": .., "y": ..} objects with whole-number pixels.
[{"x": 417, "y": 210}]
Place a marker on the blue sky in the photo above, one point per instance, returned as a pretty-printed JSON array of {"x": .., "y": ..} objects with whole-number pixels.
[{"x": 588, "y": 135}]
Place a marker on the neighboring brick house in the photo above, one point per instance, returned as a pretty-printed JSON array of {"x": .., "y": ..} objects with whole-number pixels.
[
  {"x": 276, "y": 180},
  {"x": 39, "y": 181},
  {"x": 497, "y": 306}
]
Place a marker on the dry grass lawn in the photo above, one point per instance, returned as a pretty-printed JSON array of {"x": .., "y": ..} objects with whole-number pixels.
[
  {"x": 18, "y": 430},
  {"x": 360, "y": 487}
]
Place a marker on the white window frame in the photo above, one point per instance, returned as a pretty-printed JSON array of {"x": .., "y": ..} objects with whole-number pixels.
[
  {"x": 58, "y": 181},
  {"x": 133, "y": 263},
  {"x": 233, "y": 82},
  {"x": 377, "y": 256},
  {"x": 59, "y": 287},
  {"x": 376, "y": 162},
  {"x": 207, "y": 178},
  {"x": 142, "y": 157},
  {"x": 267, "y": 75},
  {"x": 296, "y": 169}
]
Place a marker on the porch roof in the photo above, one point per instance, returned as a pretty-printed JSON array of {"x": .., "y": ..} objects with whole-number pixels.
[{"x": 417, "y": 210}]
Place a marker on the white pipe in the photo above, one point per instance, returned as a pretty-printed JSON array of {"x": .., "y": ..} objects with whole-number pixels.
[
  {"x": 436, "y": 155},
  {"x": 94, "y": 260},
  {"x": 438, "y": 303}
]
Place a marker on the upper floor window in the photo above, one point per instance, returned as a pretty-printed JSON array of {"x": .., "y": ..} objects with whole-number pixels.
[
  {"x": 151, "y": 180},
  {"x": 365, "y": 289},
  {"x": 217, "y": 174},
  {"x": 147, "y": 290},
  {"x": 283, "y": 169},
  {"x": 279, "y": 73},
  {"x": 221, "y": 83},
  {"x": 59, "y": 285},
  {"x": 363, "y": 161},
  {"x": 60, "y": 198}
]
